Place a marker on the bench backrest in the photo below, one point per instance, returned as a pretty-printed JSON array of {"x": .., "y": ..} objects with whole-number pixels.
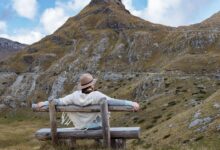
[{"x": 103, "y": 108}]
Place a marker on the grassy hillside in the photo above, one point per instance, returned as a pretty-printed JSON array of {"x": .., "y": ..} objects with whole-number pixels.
[{"x": 164, "y": 122}]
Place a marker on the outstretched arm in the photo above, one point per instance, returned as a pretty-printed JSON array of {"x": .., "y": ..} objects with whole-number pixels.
[
  {"x": 46, "y": 103},
  {"x": 117, "y": 102}
]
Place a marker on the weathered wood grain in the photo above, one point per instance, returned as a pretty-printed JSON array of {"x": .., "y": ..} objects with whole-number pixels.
[
  {"x": 105, "y": 123},
  {"x": 67, "y": 133},
  {"x": 117, "y": 135},
  {"x": 53, "y": 123},
  {"x": 91, "y": 108}
]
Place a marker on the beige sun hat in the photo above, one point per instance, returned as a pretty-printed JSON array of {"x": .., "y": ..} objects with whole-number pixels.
[{"x": 86, "y": 80}]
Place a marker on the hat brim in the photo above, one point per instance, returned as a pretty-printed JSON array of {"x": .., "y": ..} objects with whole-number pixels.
[{"x": 80, "y": 87}]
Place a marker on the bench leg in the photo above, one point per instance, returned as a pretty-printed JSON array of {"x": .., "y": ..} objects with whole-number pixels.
[
  {"x": 113, "y": 143},
  {"x": 118, "y": 144},
  {"x": 71, "y": 143},
  {"x": 99, "y": 142}
]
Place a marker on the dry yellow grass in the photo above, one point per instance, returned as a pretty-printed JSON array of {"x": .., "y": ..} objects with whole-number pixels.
[{"x": 19, "y": 135}]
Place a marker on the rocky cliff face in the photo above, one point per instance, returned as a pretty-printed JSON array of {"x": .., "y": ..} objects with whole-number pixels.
[
  {"x": 168, "y": 70},
  {"x": 103, "y": 38},
  {"x": 8, "y": 48}
]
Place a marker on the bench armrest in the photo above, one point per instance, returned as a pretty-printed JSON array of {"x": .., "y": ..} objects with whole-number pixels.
[{"x": 74, "y": 108}]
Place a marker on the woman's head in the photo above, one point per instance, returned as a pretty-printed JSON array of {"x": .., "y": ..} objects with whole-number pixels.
[
  {"x": 87, "y": 82},
  {"x": 88, "y": 90}
]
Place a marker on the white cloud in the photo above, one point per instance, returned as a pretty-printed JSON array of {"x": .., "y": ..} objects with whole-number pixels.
[
  {"x": 25, "y": 8},
  {"x": 129, "y": 5},
  {"x": 50, "y": 20},
  {"x": 73, "y": 5},
  {"x": 25, "y": 36},
  {"x": 78, "y": 5},
  {"x": 167, "y": 12},
  {"x": 53, "y": 18},
  {"x": 172, "y": 12},
  {"x": 3, "y": 26}
]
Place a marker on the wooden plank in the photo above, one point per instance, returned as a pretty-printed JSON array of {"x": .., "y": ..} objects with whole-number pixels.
[
  {"x": 105, "y": 123},
  {"x": 91, "y": 108},
  {"x": 67, "y": 133},
  {"x": 53, "y": 123}
]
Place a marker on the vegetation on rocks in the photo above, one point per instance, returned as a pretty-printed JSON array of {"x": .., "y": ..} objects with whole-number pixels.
[{"x": 174, "y": 73}]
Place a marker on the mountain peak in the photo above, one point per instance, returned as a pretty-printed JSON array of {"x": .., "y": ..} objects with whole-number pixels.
[
  {"x": 9, "y": 48},
  {"x": 118, "y": 2},
  {"x": 212, "y": 22},
  {"x": 106, "y": 1},
  {"x": 214, "y": 18}
]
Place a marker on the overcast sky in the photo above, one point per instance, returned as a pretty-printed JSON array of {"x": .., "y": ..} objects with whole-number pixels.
[{"x": 27, "y": 21}]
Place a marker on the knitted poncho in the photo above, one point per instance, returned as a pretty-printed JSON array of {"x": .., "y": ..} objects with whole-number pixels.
[{"x": 82, "y": 120}]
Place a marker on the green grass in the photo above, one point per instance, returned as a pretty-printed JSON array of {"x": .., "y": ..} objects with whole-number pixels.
[{"x": 17, "y": 128}]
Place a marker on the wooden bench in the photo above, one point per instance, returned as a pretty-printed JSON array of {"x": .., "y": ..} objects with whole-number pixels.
[{"x": 112, "y": 137}]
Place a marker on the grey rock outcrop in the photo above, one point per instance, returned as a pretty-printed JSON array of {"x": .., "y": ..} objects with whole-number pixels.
[
  {"x": 8, "y": 47},
  {"x": 218, "y": 128},
  {"x": 107, "y": 41},
  {"x": 198, "y": 122}
]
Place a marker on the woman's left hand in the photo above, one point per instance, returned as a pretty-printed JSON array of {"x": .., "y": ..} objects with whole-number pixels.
[{"x": 40, "y": 104}]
